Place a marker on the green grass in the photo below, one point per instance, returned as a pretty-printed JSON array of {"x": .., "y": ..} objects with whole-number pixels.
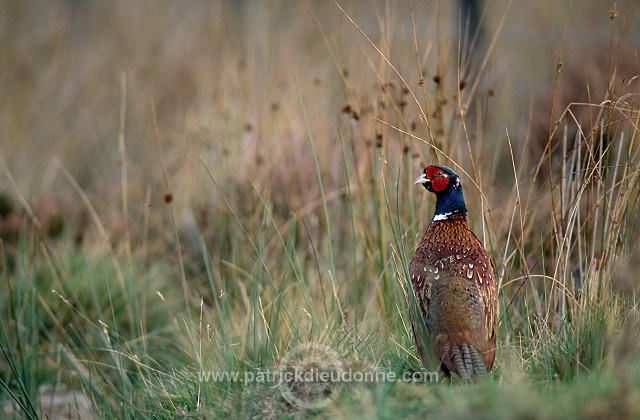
[{"x": 292, "y": 216}]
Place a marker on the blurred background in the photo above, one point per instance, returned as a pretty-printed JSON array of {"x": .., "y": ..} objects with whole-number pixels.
[
  {"x": 224, "y": 77},
  {"x": 142, "y": 97}
]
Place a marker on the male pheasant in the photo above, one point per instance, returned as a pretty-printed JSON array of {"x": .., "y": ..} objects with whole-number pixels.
[{"x": 455, "y": 285}]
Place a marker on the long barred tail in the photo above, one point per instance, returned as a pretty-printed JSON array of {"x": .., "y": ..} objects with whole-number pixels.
[{"x": 464, "y": 360}]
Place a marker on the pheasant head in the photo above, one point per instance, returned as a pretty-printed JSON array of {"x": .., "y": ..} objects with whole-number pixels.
[{"x": 445, "y": 184}]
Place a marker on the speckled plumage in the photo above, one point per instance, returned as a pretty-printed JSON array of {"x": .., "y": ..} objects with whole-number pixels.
[{"x": 455, "y": 284}]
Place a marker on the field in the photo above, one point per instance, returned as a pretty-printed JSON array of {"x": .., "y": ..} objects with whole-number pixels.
[{"x": 197, "y": 198}]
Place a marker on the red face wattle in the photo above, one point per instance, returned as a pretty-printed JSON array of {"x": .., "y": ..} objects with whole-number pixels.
[{"x": 439, "y": 178}]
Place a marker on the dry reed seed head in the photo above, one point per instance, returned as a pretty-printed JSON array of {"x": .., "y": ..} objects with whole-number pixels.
[
  {"x": 421, "y": 82},
  {"x": 6, "y": 205},
  {"x": 168, "y": 198},
  {"x": 559, "y": 67},
  {"x": 392, "y": 85}
]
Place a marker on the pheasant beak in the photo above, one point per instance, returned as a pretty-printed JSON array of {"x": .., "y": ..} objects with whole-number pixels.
[{"x": 421, "y": 179}]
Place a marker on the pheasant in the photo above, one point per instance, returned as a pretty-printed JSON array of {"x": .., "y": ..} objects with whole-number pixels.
[{"x": 455, "y": 285}]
